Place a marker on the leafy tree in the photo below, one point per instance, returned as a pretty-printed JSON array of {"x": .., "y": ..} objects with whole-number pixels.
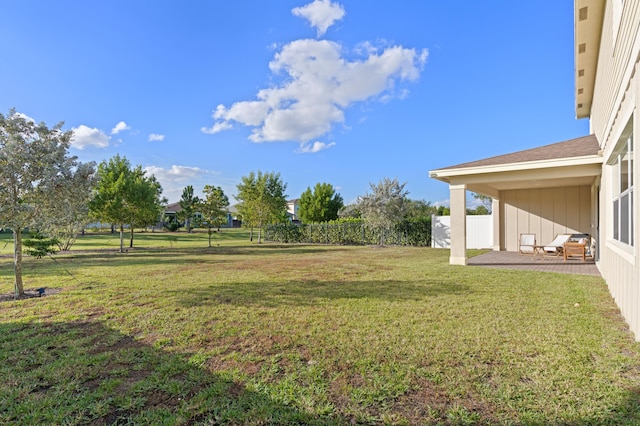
[
  {"x": 262, "y": 200},
  {"x": 350, "y": 211},
  {"x": 485, "y": 201},
  {"x": 321, "y": 205},
  {"x": 443, "y": 211},
  {"x": 213, "y": 208},
  {"x": 35, "y": 173},
  {"x": 479, "y": 210},
  {"x": 385, "y": 205},
  {"x": 419, "y": 210},
  {"x": 188, "y": 203},
  {"x": 146, "y": 194},
  {"x": 75, "y": 195},
  {"x": 125, "y": 196}
]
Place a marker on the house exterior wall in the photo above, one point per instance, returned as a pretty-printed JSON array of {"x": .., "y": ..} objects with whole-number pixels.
[
  {"x": 545, "y": 212},
  {"x": 613, "y": 113}
]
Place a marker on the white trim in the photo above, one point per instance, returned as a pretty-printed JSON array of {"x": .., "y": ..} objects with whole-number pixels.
[
  {"x": 458, "y": 186},
  {"x": 625, "y": 251},
  {"x": 527, "y": 165}
]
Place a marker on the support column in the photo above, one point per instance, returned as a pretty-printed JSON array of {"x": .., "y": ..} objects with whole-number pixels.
[
  {"x": 458, "y": 205},
  {"x": 495, "y": 214}
]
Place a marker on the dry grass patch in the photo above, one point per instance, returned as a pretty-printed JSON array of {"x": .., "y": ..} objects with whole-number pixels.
[{"x": 274, "y": 334}]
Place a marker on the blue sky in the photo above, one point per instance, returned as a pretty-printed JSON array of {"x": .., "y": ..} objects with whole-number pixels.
[{"x": 345, "y": 92}]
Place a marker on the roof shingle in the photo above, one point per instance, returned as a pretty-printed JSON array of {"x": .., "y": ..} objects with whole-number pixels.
[{"x": 579, "y": 147}]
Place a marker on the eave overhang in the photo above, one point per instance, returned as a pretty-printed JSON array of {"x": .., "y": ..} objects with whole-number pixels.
[
  {"x": 490, "y": 180},
  {"x": 588, "y": 15}
]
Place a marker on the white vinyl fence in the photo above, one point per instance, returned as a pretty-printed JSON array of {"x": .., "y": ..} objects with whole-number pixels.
[{"x": 479, "y": 231}]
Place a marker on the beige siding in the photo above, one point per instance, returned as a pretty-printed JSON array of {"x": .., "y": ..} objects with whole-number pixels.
[
  {"x": 545, "y": 212},
  {"x": 616, "y": 63},
  {"x": 616, "y": 95}
]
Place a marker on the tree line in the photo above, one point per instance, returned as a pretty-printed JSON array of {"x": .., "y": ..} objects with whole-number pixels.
[{"x": 45, "y": 189}]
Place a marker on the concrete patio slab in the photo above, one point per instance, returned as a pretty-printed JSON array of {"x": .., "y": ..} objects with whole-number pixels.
[{"x": 512, "y": 260}]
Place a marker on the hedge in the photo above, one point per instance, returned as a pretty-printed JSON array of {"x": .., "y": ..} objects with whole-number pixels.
[{"x": 350, "y": 233}]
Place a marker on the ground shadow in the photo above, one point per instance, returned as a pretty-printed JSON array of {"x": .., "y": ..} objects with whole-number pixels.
[
  {"x": 86, "y": 373},
  {"x": 309, "y": 293},
  {"x": 178, "y": 257}
]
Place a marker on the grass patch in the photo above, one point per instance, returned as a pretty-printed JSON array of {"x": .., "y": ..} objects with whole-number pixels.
[{"x": 273, "y": 334}]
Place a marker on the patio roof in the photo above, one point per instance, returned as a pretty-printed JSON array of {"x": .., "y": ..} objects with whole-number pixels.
[{"x": 569, "y": 163}]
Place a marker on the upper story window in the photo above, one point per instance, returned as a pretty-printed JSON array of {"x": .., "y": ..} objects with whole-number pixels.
[{"x": 623, "y": 192}]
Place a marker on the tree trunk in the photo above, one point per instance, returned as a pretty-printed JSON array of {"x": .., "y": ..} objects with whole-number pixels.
[
  {"x": 17, "y": 261},
  {"x": 259, "y": 235},
  {"x": 210, "y": 232},
  {"x": 251, "y": 234},
  {"x": 131, "y": 238},
  {"x": 121, "y": 238}
]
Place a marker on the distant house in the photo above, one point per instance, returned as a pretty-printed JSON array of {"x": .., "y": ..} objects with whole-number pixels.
[
  {"x": 233, "y": 218},
  {"x": 584, "y": 185},
  {"x": 292, "y": 209},
  {"x": 172, "y": 209}
]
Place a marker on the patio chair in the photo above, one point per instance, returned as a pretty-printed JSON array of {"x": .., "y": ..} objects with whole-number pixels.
[
  {"x": 578, "y": 245},
  {"x": 555, "y": 247},
  {"x": 527, "y": 244}
]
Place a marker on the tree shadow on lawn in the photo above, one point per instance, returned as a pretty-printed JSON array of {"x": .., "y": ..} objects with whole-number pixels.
[
  {"x": 155, "y": 255},
  {"x": 150, "y": 257},
  {"x": 87, "y": 373},
  {"x": 308, "y": 293}
]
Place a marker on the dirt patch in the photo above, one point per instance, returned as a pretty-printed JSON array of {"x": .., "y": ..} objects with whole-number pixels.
[{"x": 32, "y": 293}]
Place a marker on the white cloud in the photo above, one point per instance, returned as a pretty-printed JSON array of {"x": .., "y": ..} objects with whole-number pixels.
[
  {"x": 153, "y": 137},
  {"x": 24, "y": 117},
  {"x": 319, "y": 83},
  {"x": 216, "y": 128},
  {"x": 175, "y": 173},
  {"x": 84, "y": 136},
  {"x": 312, "y": 148},
  {"x": 174, "y": 179},
  {"x": 120, "y": 127},
  {"x": 321, "y": 14}
]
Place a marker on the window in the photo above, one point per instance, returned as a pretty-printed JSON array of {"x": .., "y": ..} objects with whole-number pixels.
[{"x": 623, "y": 192}]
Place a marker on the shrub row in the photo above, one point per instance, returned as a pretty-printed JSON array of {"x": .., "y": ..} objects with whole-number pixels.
[{"x": 405, "y": 234}]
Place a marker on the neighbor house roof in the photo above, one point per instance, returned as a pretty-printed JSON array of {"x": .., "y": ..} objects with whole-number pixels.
[{"x": 173, "y": 208}]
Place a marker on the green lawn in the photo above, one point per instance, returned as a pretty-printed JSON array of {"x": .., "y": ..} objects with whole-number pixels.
[{"x": 173, "y": 332}]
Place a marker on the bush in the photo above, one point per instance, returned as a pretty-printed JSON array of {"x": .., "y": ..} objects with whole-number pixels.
[
  {"x": 351, "y": 232},
  {"x": 39, "y": 245}
]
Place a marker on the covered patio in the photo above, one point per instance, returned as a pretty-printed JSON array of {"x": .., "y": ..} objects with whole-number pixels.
[
  {"x": 544, "y": 191},
  {"x": 516, "y": 261}
]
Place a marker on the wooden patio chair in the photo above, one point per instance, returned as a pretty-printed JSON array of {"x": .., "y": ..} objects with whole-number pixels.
[
  {"x": 527, "y": 244},
  {"x": 556, "y": 247},
  {"x": 578, "y": 246}
]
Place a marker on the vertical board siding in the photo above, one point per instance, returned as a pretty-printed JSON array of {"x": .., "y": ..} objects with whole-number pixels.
[
  {"x": 616, "y": 61},
  {"x": 615, "y": 97},
  {"x": 545, "y": 212}
]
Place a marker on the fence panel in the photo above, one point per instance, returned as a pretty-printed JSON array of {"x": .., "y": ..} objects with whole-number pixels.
[{"x": 479, "y": 231}]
